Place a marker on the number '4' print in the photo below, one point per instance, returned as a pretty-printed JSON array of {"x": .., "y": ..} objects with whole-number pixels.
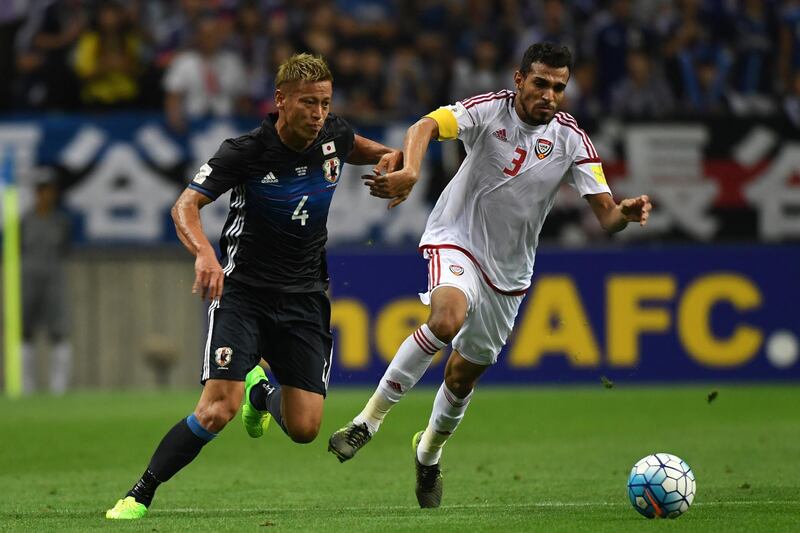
[{"x": 516, "y": 163}]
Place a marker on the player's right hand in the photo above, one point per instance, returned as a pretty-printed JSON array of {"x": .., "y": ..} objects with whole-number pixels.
[
  {"x": 208, "y": 276},
  {"x": 394, "y": 185}
]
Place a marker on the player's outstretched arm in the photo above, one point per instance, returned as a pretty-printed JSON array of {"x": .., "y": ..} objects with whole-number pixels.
[
  {"x": 397, "y": 185},
  {"x": 208, "y": 273},
  {"x": 366, "y": 151},
  {"x": 614, "y": 217}
]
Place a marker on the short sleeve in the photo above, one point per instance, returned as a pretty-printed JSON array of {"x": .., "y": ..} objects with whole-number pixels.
[
  {"x": 459, "y": 120},
  {"x": 586, "y": 172},
  {"x": 225, "y": 170}
]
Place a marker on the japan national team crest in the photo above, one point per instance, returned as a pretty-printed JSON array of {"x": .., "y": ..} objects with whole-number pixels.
[
  {"x": 330, "y": 169},
  {"x": 457, "y": 269},
  {"x": 223, "y": 356},
  {"x": 543, "y": 148}
]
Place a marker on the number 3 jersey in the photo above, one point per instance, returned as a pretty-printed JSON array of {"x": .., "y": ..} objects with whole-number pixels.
[
  {"x": 276, "y": 230},
  {"x": 494, "y": 207}
]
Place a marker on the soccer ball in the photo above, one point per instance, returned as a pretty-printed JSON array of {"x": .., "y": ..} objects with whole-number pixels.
[{"x": 661, "y": 485}]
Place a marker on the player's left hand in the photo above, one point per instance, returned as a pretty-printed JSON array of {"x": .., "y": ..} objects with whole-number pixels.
[{"x": 636, "y": 209}]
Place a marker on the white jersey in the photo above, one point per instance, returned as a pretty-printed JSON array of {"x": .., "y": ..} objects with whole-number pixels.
[{"x": 494, "y": 207}]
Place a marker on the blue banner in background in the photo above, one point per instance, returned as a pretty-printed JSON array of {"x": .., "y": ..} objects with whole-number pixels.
[{"x": 661, "y": 314}]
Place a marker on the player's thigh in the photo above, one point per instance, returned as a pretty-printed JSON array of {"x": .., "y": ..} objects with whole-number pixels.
[
  {"x": 453, "y": 286},
  {"x": 487, "y": 327},
  {"x": 298, "y": 345},
  {"x": 232, "y": 343}
]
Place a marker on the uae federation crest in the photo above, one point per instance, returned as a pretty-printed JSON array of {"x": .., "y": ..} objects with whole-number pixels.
[
  {"x": 543, "y": 148},
  {"x": 330, "y": 169}
]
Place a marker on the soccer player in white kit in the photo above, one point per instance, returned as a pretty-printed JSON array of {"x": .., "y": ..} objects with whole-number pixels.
[{"x": 481, "y": 238}]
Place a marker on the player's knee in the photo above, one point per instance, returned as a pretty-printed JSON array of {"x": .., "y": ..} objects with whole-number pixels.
[
  {"x": 303, "y": 432},
  {"x": 216, "y": 416},
  {"x": 458, "y": 385},
  {"x": 445, "y": 325}
]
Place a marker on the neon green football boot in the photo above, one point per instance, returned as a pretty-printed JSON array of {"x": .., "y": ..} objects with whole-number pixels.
[
  {"x": 255, "y": 421},
  {"x": 127, "y": 509}
]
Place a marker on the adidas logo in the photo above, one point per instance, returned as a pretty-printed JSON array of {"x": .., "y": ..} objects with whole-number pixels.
[
  {"x": 269, "y": 178},
  {"x": 501, "y": 134}
]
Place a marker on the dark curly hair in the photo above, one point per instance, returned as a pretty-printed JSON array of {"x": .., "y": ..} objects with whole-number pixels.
[{"x": 551, "y": 54}]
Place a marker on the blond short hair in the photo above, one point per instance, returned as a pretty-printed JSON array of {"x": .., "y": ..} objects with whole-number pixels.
[{"x": 303, "y": 67}]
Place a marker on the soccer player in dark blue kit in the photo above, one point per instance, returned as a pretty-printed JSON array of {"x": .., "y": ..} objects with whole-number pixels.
[{"x": 268, "y": 293}]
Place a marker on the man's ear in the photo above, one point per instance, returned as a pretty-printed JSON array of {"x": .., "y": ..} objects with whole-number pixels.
[
  {"x": 519, "y": 79},
  {"x": 279, "y": 98}
]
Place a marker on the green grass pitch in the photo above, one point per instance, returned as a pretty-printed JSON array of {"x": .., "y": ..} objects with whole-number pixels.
[{"x": 524, "y": 459}]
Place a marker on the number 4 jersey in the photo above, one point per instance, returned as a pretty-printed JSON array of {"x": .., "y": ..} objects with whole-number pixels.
[
  {"x": 276, "y": 230},
  {"x": 494, "y": 207}
]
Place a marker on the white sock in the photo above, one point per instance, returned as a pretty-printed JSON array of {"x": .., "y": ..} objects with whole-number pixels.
[
  {"x": 408, "y": 365},
  {"x": 28, "y": 368},
  {"x": 448, "y": 410},
  {"x": 60, "y": 367}
]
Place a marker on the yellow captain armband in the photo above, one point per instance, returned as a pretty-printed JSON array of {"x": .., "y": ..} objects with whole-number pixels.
[
  {"x": 597, "y": 170},
  {"x": 448, "y": 126}
]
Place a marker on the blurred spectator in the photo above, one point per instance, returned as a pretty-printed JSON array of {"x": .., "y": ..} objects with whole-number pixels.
[
  {"x": 368, "y": 95},
  {"x": 791, "y": 102},
  {"x": 345, "y": 68},
  {"x": 480, "y": 73},
  {"x": 437, "y": 61},
  {"x": 170, "y": 26},
  {"x": 756, "y": 31},
  {"x": 250, "y": 42},
  {"x": 789, "y": 50},
  {"x": 204, "y": 80},
  {"x": 407, "y": 87},
  {"x": 612, "y": 34},
  {"x": 643, "y": 94},
  {"x": 12, "y": 16},
  {"x": 705, "y": 70},
  {"x": 430, "y": 51},
  {"x": 45, "y": 236},
  {"x": 555, "y": 26},
  {"x": 367, "y": 22},
  {"x": 108, "y": 59},
  {"x": 582, "y": 100},
  {"x": 279, "y": 52},
  {"x": 43, "y": 49}
]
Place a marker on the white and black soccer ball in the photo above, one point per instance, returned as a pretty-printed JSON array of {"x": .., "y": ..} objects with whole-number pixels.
[{"x": 661, "y": 485}]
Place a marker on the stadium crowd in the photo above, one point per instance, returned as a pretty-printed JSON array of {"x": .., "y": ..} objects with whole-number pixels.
[{"x": 396, "y": 59}]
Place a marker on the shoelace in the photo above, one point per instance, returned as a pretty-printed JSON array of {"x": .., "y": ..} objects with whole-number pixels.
[{"x": 357, "y": 436}]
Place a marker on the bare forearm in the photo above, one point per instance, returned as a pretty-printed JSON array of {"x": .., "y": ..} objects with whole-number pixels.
[
  {"x": 416, "y": 143},
  {"x": 189, "y": 228},
  {"x": 613, "y": 221},
  {"x": 367, "y": 152}
]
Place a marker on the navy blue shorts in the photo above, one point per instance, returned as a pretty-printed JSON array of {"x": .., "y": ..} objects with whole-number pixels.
[{"x": 291, "y": 331}]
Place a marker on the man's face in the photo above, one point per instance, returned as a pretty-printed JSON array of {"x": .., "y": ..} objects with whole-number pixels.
[
  {"x": 540, "y": 92},
  {"x": 304, "y": 106}
]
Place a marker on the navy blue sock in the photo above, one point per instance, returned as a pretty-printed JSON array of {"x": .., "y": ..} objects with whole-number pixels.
[
  {"x": 266, "y": 397},
  {"x": 177, "y": 449}
]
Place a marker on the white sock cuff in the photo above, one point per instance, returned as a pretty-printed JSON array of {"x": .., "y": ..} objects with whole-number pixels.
[
  {"x": 454, "y": 400},
  {"x": 427, "y": 341}
]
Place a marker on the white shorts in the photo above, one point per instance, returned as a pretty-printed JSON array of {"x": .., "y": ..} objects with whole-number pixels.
[{"x": 490, "y": 315}]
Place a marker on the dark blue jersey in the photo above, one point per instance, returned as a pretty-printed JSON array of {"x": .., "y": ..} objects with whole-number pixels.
[{"x": 276, "y": 230}]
